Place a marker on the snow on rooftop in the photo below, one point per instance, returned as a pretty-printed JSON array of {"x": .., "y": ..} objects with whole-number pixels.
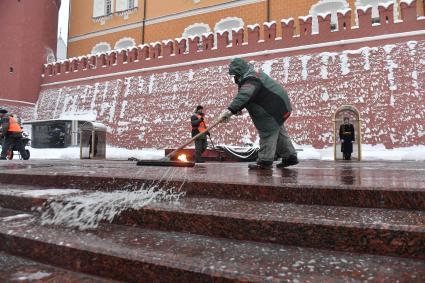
[
  {"x": 344, "y": 11},
  {"x": 364, "y": 8},
  {"x": 287, "y": 21},
  {"x": 386, "y": 4},
  {"x": 168, "y": 41},
  {"x": 408, "y": 2},
  {"x": 269, "y": 24},
  {"x": 237, "y": 29},
  {"x": 180, "y": 39},
  {"x": 324, "y": 15},
  {"x": 253, "y": 27},
  {"x": 305, "y": 18}
]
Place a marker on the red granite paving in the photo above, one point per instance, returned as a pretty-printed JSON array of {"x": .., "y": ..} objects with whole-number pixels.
[
  {"x": 368, "y": 184},
  {"x": 296, "y": 224},
  {"x": 18, "y": 269},
  {"x": 365, "y": 175},
  {"x": 131, "y": 253},
  {"x": 381, "y": 231}
]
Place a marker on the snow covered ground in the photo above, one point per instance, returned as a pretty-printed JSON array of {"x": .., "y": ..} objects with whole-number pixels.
[
  {"x": 379, "y": 152},
  {"x": 369, "y": 152},
  {"x": 111, "y": 153}
]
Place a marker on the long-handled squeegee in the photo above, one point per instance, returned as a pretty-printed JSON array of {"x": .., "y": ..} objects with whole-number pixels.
[{"x": 166, "y": 161}]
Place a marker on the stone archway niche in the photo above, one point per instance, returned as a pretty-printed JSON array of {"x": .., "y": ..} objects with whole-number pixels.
[{"x": 354, "y": 115}]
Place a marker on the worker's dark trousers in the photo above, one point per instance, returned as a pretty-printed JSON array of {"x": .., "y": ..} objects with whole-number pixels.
[
  {"x": 13, "y": 142},
  {"x": 277, "y": 143},
  {"x": 200, "y": 147}
]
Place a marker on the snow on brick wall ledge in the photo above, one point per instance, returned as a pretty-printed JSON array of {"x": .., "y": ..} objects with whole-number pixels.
[{"x": 386, "y": 83}]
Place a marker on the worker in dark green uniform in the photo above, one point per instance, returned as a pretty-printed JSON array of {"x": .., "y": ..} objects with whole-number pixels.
[{"x": 269, "y": 106}]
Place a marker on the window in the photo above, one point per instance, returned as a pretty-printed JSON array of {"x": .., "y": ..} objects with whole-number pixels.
[
  {"x": 229, "y": 24},
  {"x": 101, "y": 47},
  {"x": 124, "y": 5},
  {"x": 108, "y": 7},
  {"x": 324, "y": 7},
  {"x": 125, "y": 43},
  {"x": 102, "y": 8},
  {"x": 197, "y": 29}
]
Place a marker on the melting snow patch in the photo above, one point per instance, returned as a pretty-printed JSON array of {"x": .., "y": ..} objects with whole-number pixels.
[
  {"x": 267, "y": 66},
  {"x": 412, "y": 44},
  {"x": 286, "y": 63},
  {"x": 48, "y": 192},
  {"x": 325, "y": 61},
  {"x": 40, "y": 193},
  {"x": 15, "y": 217},
  {"x": 86, "y": 212},
  {"x": 344, "y": 64},
  {"x": 325, "y": 95},
  {"x": 31, "y": 276},
  {"x": 304, "y": 62}
]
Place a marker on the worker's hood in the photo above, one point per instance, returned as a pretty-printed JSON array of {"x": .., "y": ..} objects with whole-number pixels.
[{"x": 241, "y": 68}]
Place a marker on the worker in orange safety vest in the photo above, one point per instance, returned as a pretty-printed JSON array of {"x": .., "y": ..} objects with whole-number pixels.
[
  {"x": 199, "y": 126},
  {"x": 11, "y": 134}
]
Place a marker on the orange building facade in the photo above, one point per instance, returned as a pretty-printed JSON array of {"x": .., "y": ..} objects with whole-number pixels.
[{"x": 102, "y": 25}]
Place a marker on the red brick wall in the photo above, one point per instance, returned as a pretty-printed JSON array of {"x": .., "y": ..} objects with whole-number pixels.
[
  {"x": 27, "y": 28},
  {"x": 386, "y": 83},
  {"x": 146, "y": 95}
]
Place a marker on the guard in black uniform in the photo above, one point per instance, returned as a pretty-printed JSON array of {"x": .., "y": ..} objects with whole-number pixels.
[{"x": 347, "y": 137}]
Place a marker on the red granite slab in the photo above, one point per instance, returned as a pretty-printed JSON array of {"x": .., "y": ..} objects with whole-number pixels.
[
  {"x": 368, "y": 184},
  {"x": 378, "y": 231},
  {"x": 18, "y": 269},
  {"x": 135, "y": 254}
]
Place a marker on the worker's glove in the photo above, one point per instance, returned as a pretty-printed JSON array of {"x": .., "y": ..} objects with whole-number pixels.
[{"x": 225, "y": 116}]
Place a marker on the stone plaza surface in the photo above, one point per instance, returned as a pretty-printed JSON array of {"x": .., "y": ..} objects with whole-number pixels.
[{"x": 319, "y": 220}]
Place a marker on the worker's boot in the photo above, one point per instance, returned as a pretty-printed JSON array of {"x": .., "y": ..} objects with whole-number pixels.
[
  {"x": 261, "y": 165},
  {"x": 286, "y": 162}
]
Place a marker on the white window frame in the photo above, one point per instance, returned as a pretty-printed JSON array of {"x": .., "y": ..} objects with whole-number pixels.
[
  {"x": 318, "y": 8},
  {"x": 108, "y": 3},
  {"x": 101, "y": 15},
  {"x": 218, "y": 29},
  {"x": 126, "y": 7},
  {"x": 108, "y": 46},
  {"x": 131, "y": 4},
  {"x": 125, "y": 39},
  {"x": 187, "y": 34}
]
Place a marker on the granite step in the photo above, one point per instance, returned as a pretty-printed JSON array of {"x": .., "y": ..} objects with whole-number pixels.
[
  {"x": 18, "y": 269},
  {"x": 136, "y": 254},
  {"x": 369, "y": 230},
  {"x": 262, "y": 188}
]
